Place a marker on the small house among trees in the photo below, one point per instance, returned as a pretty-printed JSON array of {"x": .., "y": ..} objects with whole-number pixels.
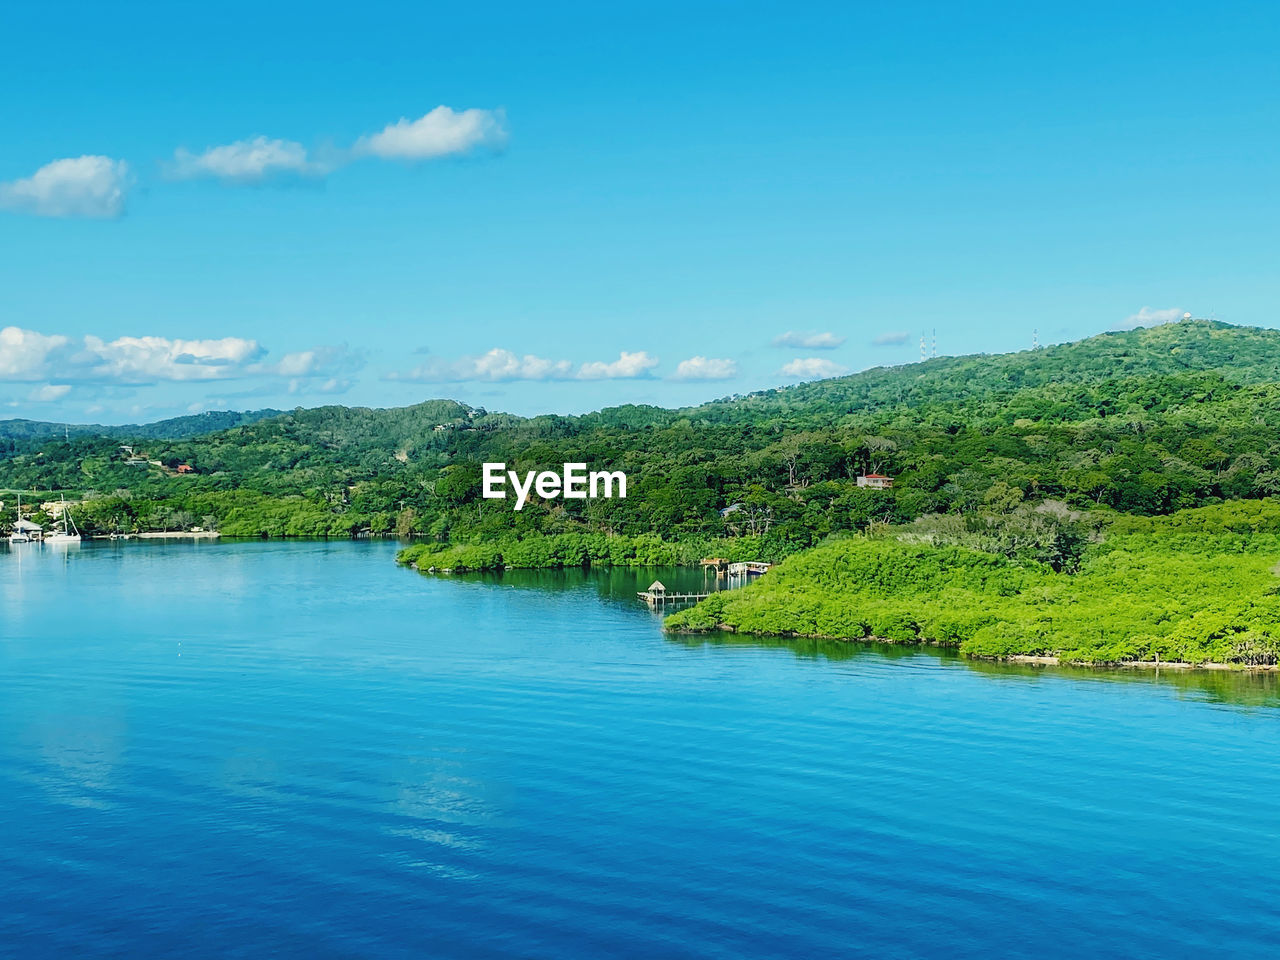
[{"x": 876, "y": 481}]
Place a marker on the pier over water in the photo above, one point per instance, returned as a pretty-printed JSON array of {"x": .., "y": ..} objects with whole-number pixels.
[{"x": 736, "y": 574}]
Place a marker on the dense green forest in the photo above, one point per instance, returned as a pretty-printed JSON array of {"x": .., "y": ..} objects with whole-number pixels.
[
  {"x": 20, "y": 435},
  {"x": 1197, "y": 586},
  {"x": 543, "y": 551},
  {"x": 1026, "y": 471},
  {"x": 1147, "y": 421}
]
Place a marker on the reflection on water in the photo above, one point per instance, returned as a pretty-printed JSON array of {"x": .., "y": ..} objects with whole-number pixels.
[
  {"x": 618, "y": 583},
  {"x": 301, "y": 750},
  {"x": 1249, "y": 688},
  {"x": 1255, "y": 688},
  {"x": 1252, "y": 688},
  {"x": 80, "y": 752}
]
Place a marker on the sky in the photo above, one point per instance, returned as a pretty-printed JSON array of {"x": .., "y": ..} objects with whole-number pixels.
[{"x": 559, "y": 207}]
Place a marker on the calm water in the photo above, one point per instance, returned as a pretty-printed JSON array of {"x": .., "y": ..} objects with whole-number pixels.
[{"x": 300, "y": 750}]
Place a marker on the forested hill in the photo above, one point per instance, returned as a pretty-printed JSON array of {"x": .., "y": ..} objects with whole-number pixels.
[
  {"x": 1146, "y": 421},
  {"x": 175, "y": 428},
  {"x": 1054, "y": 381},
  {"x": 1035, "y": 384}
]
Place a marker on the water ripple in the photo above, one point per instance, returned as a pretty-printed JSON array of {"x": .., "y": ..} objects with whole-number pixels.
[{"x": 332, "y": 757}]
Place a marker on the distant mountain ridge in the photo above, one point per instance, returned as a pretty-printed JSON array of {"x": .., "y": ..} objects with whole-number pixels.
[
  {"x": 968, "y": 385},
  {"x": 1145, "y": 421},
  {"x": 1242, "y": 355},
  {"x": 174, "y": 428}
]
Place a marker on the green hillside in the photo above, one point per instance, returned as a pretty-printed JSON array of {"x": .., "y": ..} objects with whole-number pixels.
[
  {"x": 1059, "y": 382},
  {"x": 1199, "y": 586},
  {"x": 16, "y": 433},
  {"x": 1146, "y": 422}
]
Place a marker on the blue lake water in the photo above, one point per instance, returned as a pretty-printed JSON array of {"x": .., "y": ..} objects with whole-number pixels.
[{"x": 301, "y": 750}]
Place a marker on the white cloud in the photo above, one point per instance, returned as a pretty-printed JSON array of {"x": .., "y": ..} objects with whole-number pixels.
[
  {"x": 149, "y": 359},
  {"x": 61, "y": 368},
  {"x": 49, "y": 393},
  {"x": 297, "y": 364},
  {"x": 628, "y": 366},
  {"x": 812, "y": 368},
  {"x": 500, "y": 366},
  {"x": 328, "y": 362},
  {"x": 246, "y": 161},
  {"x": 891, "y": 338},
  {"x": 497, "y": 365},
  {"x": 26, "y": 355},
  {"x": 439, "y": 133},
  {"x": 706, "y": 368},
  {"x": 1146, "y": 317},
  {"x": 87, "y": 186},
  {"x": 808, "y": 341},
  {"x": 331, "y": 386}
]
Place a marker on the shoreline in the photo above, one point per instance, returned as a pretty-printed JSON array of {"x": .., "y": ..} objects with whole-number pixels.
[
  {"x": 218, "y": 535},
  {"x": 180, "y": 535},
  {"x": 1136, "y": 664},
  {"x": 163, "y": 535},
  {"x": 1042, "y": 660}
]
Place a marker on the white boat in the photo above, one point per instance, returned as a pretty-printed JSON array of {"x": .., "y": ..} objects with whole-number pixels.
[
  {"x": 64, "y": 531},
  {"x": 23, "y": 529}
]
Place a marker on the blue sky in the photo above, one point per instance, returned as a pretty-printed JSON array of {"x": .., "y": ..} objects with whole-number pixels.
[{"x": 589, "y": 204}]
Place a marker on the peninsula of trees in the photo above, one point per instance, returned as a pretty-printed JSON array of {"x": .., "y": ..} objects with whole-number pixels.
[{"x": 1033, "y": 472}]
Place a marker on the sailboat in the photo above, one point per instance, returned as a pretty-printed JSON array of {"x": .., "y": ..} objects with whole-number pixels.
[
  {"x": 19, "y": 534},
  {"x": 64, "y": 531}
]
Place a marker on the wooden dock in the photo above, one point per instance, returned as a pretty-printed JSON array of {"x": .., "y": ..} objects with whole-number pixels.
[
  {"x": 728, "y": 568},
  {"x": 662, "y": 598},
  {"x": 737, "y": 575}
]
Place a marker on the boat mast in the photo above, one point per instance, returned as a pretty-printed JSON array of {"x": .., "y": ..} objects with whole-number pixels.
[{"x": 66, "y": 516}]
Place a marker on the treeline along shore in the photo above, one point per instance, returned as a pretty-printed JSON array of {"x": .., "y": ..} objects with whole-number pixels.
[
  {"x": 1197, "y": 587},
  {"x": 1007, "y": 494}
]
